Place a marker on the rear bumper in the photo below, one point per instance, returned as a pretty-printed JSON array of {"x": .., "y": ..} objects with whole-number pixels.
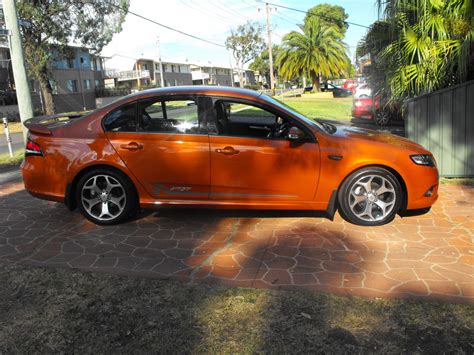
[
  {"x": 41, "y": 180},
  {"x": 362, "y": 113}
]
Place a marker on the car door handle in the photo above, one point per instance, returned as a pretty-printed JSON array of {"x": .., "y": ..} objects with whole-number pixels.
[
  {"x": 227, "y": 151},
  {"x": 132, "y": 146}
]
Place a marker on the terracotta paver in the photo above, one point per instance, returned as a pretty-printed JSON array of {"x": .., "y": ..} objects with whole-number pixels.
[{"x": 429, "y": 256}]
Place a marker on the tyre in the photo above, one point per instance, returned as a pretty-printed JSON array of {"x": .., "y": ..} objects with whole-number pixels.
[
  {"x": 106, "y": 197},
  {"x": 382, "y": 118},
  {"x": 370, "y": 197}
]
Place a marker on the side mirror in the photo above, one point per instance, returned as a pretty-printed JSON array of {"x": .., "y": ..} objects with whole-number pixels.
[{"x": 296, "y": 135}]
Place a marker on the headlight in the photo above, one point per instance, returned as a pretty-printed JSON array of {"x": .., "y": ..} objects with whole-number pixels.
[{"x": 423, "y": 159}]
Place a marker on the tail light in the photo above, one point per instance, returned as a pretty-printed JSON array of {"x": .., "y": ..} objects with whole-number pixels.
[{"x": 32, "y": 148}]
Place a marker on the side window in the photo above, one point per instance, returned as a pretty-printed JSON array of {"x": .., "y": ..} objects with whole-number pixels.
[
  {"x": 122, "y": 119},
  {"x": 243, "y": 120},
  {"x": 170, "y": 116}
]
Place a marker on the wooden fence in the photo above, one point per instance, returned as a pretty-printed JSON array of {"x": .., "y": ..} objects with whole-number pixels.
[{"x": 443, "y": 122}]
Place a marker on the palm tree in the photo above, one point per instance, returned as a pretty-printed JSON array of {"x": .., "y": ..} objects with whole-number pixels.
[
  {"x": 431, "y": 45},
  {"x": 317, "y": 51}
]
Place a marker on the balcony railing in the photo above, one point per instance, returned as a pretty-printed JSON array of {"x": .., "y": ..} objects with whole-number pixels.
[{"x": 127, "y": 74}]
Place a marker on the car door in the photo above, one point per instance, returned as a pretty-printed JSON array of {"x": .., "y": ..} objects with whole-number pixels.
[
  {"x": 165, "y": 144},
  {"x": 250, "y": 163}
]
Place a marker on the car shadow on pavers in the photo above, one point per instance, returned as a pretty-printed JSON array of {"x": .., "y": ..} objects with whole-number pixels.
[{"x": 429, "y": 256}]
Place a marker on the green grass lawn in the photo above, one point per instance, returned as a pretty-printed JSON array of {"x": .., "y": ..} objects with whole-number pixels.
[
  {"x": 46, "y": 310},
  {"x": 327, "y": 108},
  {"x": 13, "y": 127},
  {"x": 6, "y": 160}
]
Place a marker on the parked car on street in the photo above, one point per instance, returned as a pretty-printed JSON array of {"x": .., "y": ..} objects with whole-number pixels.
[
  {"x": 370, "y": 108},
  {"x": 363, "y": 90},
  {"x": 336, "y": 90},
  {"x": 234, "y": 148},
  {"x": 351, "y": 85}
]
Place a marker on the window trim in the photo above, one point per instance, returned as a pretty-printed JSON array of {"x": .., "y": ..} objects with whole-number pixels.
[{"x": 284, "y": 115}]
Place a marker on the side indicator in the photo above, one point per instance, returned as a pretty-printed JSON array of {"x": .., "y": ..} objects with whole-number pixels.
[{"x": 335, "y": 157}]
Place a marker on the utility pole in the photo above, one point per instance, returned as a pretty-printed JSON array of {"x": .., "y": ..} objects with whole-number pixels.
[
  {"x": 270, "y": 49},
  {"x": 25, "y": 105},
  {"x": 161, "y": 64}
]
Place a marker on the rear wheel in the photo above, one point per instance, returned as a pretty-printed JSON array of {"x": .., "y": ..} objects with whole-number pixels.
[
  {"x": 382, "y": 117},
  {"x": 106, "y": 197},
  {"x": 370, "y": 197}
]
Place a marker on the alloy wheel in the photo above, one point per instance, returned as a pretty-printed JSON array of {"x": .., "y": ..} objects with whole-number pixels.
[
  {"x": 103, "y": 197},
  {"x": 372, "y": 198}
]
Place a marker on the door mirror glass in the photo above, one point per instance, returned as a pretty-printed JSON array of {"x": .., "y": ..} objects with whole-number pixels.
[{"x": 295, "y": 134}]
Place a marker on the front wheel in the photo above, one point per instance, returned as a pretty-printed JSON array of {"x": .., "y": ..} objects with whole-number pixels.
[
  {"x": 106, "y": 197},
  {"x": 370, "y": 197}
]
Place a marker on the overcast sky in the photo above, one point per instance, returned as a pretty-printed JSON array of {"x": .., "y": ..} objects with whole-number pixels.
[{"x": 212, "y": 20}]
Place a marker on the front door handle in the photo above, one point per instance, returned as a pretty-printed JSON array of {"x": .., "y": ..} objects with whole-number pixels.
[
  {"x": 227, "y": 151},
  {"x": 132, "y": 146}
]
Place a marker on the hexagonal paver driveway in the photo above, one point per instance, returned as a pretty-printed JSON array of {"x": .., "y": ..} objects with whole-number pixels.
[{"x": 429, "y": 256}]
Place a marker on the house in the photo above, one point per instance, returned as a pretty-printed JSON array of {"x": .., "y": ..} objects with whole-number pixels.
[
  {"x": 211, "y": 75},
  {"x": 75, "y": 75},
  {"x": 248, "y": 77},
  {"x": 147, "y": 73}
]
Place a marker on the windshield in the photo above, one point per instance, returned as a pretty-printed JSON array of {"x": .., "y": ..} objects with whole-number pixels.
[{"x": 291, "y": 110}]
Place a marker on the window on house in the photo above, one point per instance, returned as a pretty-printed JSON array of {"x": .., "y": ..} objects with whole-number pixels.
[
  {"x": 98, "y": 83},
  {"x": 179, "y": 68},
  {"x": 71, "y": 85},
  {"x": 165, "y": 68},
  {"x": 54, "y": 87},
  {"x": 172, "y": 68},
  {"x": 87, "y": 84},
  {"x": 70, "y": 63},
  {"x": 145, "y": 66}
]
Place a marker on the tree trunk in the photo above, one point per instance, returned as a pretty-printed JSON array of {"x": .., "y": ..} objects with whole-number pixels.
[
  {"x": 315, "y": 82},
  {"x": 47, "y": 93},
  {"x": 241, "y": 76}
]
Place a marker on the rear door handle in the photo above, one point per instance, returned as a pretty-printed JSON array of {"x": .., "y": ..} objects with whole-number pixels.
[
  {"x": 227, "y": 151},
  {"x": 132, "y": 146}
]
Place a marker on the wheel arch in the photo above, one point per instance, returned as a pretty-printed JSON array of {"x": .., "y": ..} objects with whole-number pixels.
[
  {"x": 69, "y": 198},
  {"x": 400, "y": 179}
]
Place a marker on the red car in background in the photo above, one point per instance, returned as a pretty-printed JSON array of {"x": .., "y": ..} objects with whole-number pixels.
[
  {"x": 351, "y": 85},
  {"x": 363, "y": 107},
  {"x": 370, "y": 108}
]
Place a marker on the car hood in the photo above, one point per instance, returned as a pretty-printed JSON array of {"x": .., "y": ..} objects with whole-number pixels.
[{"x": 367, "y": 135}]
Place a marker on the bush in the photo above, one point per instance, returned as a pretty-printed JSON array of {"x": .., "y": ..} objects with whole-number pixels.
[
  {"x": 252, "y": 87},
  {"x": 109, "y": 92}
]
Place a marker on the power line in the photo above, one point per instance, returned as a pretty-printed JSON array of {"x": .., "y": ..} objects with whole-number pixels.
[
  {"x": 322, "y": 16},
  {"x": 221, "y": 19},
  {"x": 167, "y": 27}
]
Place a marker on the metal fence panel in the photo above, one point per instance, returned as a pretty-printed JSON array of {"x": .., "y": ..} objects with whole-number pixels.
[{"x": 443, "y": 122}]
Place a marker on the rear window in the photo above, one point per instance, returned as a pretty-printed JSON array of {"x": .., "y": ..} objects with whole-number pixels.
[{"x": 122, "y": 119}]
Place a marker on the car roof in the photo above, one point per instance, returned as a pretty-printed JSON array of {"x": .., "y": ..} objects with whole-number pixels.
[{"x": 197, "y": 89}]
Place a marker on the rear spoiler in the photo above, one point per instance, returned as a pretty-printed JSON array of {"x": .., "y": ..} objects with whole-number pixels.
[{"x": 42, "y": 124}]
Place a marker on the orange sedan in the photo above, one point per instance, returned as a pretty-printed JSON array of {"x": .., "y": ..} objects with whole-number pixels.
[{"x": 223, "y": 148}]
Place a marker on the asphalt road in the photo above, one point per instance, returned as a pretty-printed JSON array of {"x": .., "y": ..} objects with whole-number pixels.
[
  {"x": 10, "y": 174},
  {"x": 17, "y": 142}
]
